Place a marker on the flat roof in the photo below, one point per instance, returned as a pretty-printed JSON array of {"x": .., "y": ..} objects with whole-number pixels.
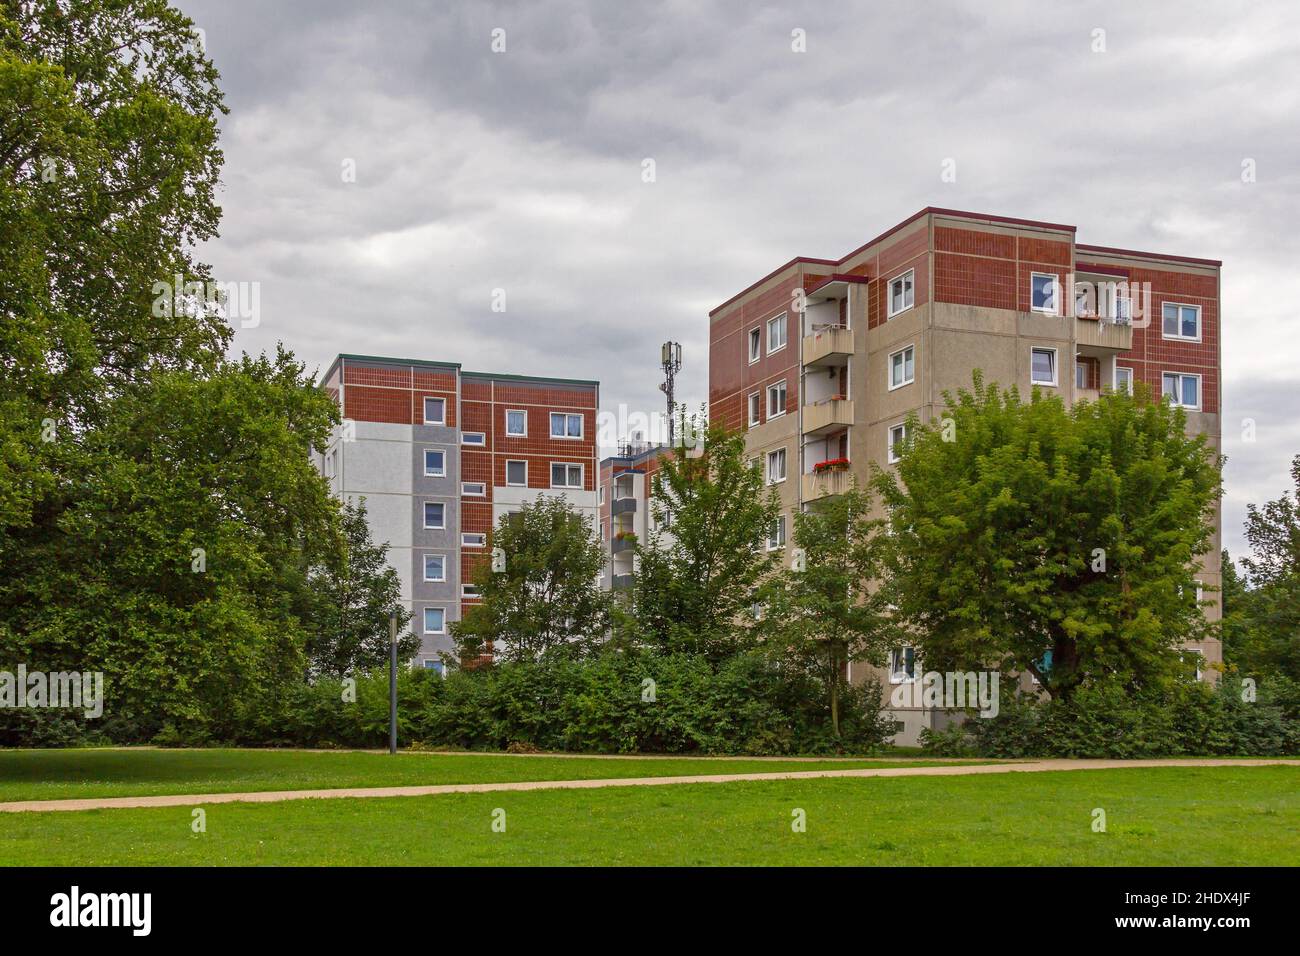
[
  {"x": 961, "y": 214},
  {"x": 426, "y": 363}
]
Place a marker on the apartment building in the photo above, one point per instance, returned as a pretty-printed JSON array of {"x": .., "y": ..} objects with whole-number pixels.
[
  {"x": 626, "y": 481},
  {"x": 823, "y": 360},
  {"x": 440, "y": 454}
]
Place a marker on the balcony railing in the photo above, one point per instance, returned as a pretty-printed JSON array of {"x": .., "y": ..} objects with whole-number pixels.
[
  {"x": 623, "y": 582},
  {"x": 1104, "y": 334},
  {"x": 621, "y": 545},
  {"x": 826, "y": 484},
  {"x": 829, "y": 346},
  {"x": 621, "y": 506},
  {"x": 828, "y": 415}
]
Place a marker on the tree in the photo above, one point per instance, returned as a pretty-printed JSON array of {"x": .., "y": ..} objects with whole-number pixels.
[
  {"x": 547, "y": 596},
  {"x": 698, "y": 579},
  {"x": 1273, "y": 604},
  {"x": 353, "y": 590},
  {"x": 835, "y": 610},
  {"x": 1023, "y": 528}
]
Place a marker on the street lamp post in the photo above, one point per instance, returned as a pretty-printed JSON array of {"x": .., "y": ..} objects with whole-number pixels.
[{"x": 392, "y": 683}]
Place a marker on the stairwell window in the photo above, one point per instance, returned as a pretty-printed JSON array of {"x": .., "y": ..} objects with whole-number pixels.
[
  {"x": 435, "y": 620},
  {"x": 435, "y": 463},
  {"x": 1182, "y": 389},
  {"x": 776, "y": 466},
  {"x": 1042, "y": 366},
  {"x": 435, "y": 515},
  {"x": 776, "y": 332},
  {"x": 755, "y": 345},
  {"x": 1180, "y": 322},
  {"x": 1044, "y": 292},
  {"x": 435, "y": 567},
  {"x": 902, "y": 367},
  {"x": 902, "y": 292},
  {"x": 776, "y": 398}
]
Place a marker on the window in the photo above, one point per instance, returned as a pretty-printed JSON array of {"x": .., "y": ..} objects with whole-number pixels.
[
  {"x": 435, "y": 620},
  {"x": 901, "y": 293},
  {"x": 435, "y": 567},
  {"x": 1043, "y": 292},
  {"x": 565, "y": 425},
  {"x": 776, "y": 397},
  {"x": 469, "y": 590},
  {"x": 1181, "y": 321},
  {"x": 755, "y": 408},
  {"x": 902, "y": 665},
  {"x": 473, "y": 489},
  {"x": 473, "y": 540},
  {"x": 564, "y": 475},
  {"x": 902, "y": 367},
  {"x": 755, "y": 345},
  {"x": 435, "y": 463},
  {"x": 435, "y": 515},
  {"x": 435, "y": 411},
  {"x": 1181, "y": 389},
  {"x": 1042, "y": 366},
  {"x": 600, "y": 495},
  {"x": 897, "y": 436},
  {"x": 776, "y": 534},
  {"x": 776, "y": 466},
  {"x": 473, "y": 438},
  {"x": 776, "y": 331},
  {"x": 516, "y": 473},
  {"x": 1123, "y": 310},
  {"x": 1080, "y": 375},
  {"x": 516, "y": 422},
  {"x": 437, "y": 667},
  {"x": 1123, "y": 379}
]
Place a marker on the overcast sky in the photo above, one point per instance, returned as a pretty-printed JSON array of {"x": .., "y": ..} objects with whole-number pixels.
[{"x": 521, "y": 170}]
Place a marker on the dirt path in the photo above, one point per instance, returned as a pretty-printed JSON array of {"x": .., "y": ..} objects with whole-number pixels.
[{"x": 275, "y": 796}]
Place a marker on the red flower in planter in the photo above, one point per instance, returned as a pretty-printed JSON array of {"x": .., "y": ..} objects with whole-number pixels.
[{"x": 831, "y": 464}]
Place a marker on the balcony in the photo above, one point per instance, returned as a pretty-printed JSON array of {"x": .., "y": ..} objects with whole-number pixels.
[
  {"x": 622, "y": 545},
  {"x": 622, "y": 582},
  {"x": 1100, "y": 337},
  {"x": 825, "y": 484},
  {"x": 623, "y": 506},
  {"x": 828, "y": 346},
  {"x": 828, "y": 415}
]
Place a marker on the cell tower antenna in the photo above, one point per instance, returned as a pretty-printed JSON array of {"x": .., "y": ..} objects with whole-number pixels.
[{"x": 670, "y": 357}]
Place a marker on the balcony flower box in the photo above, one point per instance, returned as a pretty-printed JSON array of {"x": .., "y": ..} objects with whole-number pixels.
[{"x": 831, "y": 464}]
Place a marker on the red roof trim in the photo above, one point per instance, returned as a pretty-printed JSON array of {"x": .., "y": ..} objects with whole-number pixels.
[{"x": 1149, "y": 255}]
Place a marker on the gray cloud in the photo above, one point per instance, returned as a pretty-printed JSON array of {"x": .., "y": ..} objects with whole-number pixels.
[{"x": 522, "y": 170}]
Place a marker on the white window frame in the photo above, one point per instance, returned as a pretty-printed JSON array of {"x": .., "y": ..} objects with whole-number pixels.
[
  {"x": 777, "y": 543},
  {"x": 894, "y": 457},
  {"x": 906, "y": 381},
  {"x": 1056, "y": 299},
  {"x": 890, "y": 311},
  {"x": 784, "y": 386},
  {"x": 1056, "y": 366},
  {"x": 1200, "y": 384},
  {"x": 440, "y": 472},
  {"x": 781, "y": 322},
  {"x": 1179, "y": 337},
  {"x": 516, "y": 461},
  {"x": 754, "y": 409},
  {"x": 473, "y": 539},
  {"x": 432, "y": 421},
  {"x": 1115, "y": 377},
  {"x": 1080, "y": 374},
  {"x": 516, "y": 411},
  {"x": 424, "y": 515},
  {"x": 470, "y": 591},
  {"x": 898, "y": 675},
  {"x": 478, "y": 439},
  {"x": 424, "y": 568},
  {"x": 582, "y": 424},
  {"x": 582, "y": 475},
  {"x": 755, "y": 339},
  {"x": 777, "y": 454},
  {"x": 465, "y": 487},
  {"x": 424, "y": 620}
]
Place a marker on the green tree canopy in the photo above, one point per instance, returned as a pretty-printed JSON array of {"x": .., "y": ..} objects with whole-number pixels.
[
  {"x": 1023, "y": 528},
  {"x": 1271, "y": 607}
]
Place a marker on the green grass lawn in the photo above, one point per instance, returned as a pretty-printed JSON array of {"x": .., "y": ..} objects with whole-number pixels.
[
  {"x": 56, "y": 774},
  {"x": 1163, "y": 817}
]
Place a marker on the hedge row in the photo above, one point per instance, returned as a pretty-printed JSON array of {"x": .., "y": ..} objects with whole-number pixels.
[{"x": 1115, "y": 721}]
